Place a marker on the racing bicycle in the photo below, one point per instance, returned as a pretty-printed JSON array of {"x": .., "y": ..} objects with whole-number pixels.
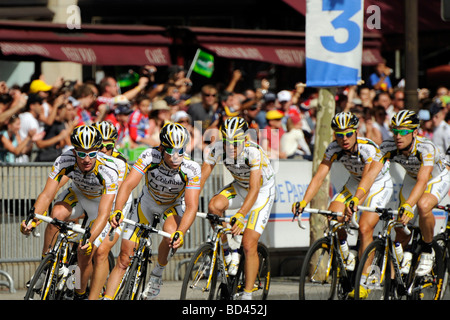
[
  {"x": 135, "y": 277},
  {"x": 323, "y": 275},
  {"x": 379, "y": 275},
  {"x": 207, "y": 275}
]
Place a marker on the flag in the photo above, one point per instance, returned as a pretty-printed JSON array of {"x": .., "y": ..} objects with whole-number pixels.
[
  {"x": 334, "y": 33},
  {"x": 204, "y": 63}
]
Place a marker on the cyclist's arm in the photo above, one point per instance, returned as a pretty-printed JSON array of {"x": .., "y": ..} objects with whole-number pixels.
[
  {"x": 131, "y": 181},
  {"x": 104, "y": 210},
  {"x": 317, "y": 180},
  {"x": 191, "y": 197},
  {"x": 45, "y": 198},
  {"x": 253, "y": 191},
  {"x": 368, "y": 177},
  {"x": 206, "y": 171}
]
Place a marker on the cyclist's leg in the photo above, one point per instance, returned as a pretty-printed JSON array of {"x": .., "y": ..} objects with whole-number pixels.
[
  {"x": 256, "y": 223},
  {"x": 123, "y": 261},
  {"x": 129, "y": 242},
  {"x": 379, "y": 196},
  {"x": 104, "y": 246},
  {"x": 62, "y": 210},
  {"x": 339, "y": 200}
]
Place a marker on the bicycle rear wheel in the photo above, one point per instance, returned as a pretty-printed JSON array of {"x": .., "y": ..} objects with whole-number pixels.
[
  {"x": 373, "y": 277},
  {"x": 196, "y": 283},
  {"x": 40, "y": 287},
  {"x": 262, "y": 281},
  {"x": 318, "y": 276}
]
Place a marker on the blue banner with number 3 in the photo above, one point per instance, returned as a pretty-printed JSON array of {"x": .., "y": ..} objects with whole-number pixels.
[{"x": 334, "y": 34}]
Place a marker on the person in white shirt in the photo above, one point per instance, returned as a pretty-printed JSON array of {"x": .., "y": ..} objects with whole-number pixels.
[
  {"x": 441, "y": 129},
  {"x": 293, "y": 142}
]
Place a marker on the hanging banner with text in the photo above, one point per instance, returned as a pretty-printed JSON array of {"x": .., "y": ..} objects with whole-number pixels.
[{"x": 334, "y": 33}]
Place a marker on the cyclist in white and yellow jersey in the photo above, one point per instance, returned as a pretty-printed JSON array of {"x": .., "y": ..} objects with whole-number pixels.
[
  {"x": 356, "y": 154},
  {"x": 172, "y": 189},
  {"x": 104, "y": 243},
  {"x": 94, "y": 182},
  {"x": 252, "y": 191},
  {"x": 426, "y": 182}
]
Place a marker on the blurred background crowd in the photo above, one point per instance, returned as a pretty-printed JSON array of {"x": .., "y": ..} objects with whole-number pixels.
[{"x": 37, "y": 118}]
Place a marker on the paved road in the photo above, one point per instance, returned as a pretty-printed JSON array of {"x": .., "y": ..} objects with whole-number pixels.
[{"x": 280, "y": 289}]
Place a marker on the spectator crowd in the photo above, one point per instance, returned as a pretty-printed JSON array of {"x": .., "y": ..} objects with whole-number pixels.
[{"x": 36, "y": 119}]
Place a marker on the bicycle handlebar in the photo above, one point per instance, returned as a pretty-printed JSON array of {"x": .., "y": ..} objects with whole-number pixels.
[
  {"x": 147, "y": 227},
  {"x": 386, "y": 213},
  {"x": 298, "y": 215},
  {"x": 213, "y": 217},
  {"x": 111, "y": 231},
  {"x": 69, "y": 225}
]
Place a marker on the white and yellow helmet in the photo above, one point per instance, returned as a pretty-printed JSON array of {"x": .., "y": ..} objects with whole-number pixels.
[
  {"x": 344, "y": 121},
  {"x": 234, "y": 128},
  {"x": 86, "y": 137},
  {"x": 107, "y": 129},
  {"x": 405, "y": 118},
  {"x": 173, "y": 135}
]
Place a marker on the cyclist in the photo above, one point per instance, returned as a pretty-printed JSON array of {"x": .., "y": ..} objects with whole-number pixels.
[
  {"x": 426, "y": 182},
  {"x": 252, "y": 191},
  {"x": 172, "y": 189},
  {"x": 92, "y": 191},
  {"x": 356, "y": 154},
  {"x": 103, "y": 243}
]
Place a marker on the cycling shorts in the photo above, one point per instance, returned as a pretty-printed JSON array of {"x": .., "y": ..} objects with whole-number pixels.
[
  {"x": 438, "y": 187},
  {"x": 260, "y": 211},
  {"x": 379, "y": 194},
  {"x": 145, "y": 210}
]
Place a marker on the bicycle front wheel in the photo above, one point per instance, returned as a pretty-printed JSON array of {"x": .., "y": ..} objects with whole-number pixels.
[
  {"x": 261, "y": 285},
  {"x": 318, "y": 277},
  {"x": 40, "y": 286},
  {"x": 373, "y": 277},
  {"x": 197, "y": 282}
]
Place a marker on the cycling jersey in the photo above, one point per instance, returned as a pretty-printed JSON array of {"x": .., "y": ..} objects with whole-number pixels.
[
  {"x": 166, "y": 185},
  {"x": 100, "y": 180},
  {"x": 423, "y": 153},
  {"x": 355, "y": 162},
  {"x": 251, "y": 158}
]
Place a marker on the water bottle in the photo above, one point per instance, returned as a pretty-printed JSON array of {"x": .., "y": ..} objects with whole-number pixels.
[
  {"x": 234, "y": 265},
  {"x": 406, "y": 263},
  {"x": 398, "y": 251},
  {"x": 344, "y": 249}
]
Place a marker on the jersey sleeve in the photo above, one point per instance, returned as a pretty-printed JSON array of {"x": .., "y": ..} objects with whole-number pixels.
[
  {"x": 110, "y": 177},
  {"x": 332, "y": 152},
  {"x": 144, "y": 161},
  {"x": 64, "y": 164},
  {"x": 193, "y": 175}
]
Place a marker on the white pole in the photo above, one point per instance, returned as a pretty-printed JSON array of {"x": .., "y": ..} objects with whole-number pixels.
[{"x": 192, "y": 64}]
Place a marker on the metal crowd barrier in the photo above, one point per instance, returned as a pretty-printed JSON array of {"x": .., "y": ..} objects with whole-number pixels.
[{"x": 21, "y": 184}]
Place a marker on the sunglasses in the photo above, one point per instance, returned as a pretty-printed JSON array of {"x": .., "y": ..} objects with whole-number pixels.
[
  {"x": 239, "y": 141},
  {"x": 341, "y": 135},
  {"x": 82, "y": 154},
  {"x": 402, "y": 132},
  {"x": 209, "y": 95},
  {"x": 108, "y": 146},
  {"x": 173, "y": 151}
]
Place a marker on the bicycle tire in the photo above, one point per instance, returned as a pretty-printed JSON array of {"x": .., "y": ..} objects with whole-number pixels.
[
  {"x": 262, "y": 281},
  {"x": 373, "y": 277},
  {"x": 315, "y": 282},
  {"x": 40, "y": 284},
  {"x": 442, "y": 240},
  {"x": 195, "y": 283},
  {"x": 130, "y": 281},
  {"x": 427, "y": 287}
]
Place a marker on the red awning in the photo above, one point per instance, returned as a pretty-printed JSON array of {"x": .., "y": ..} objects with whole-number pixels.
[
  {"x": 278, "y": 47},
  {"x": 100, "y": 45}
]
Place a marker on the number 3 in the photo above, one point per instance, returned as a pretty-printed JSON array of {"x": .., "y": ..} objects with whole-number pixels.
[{"x": 349, "y": 8}]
